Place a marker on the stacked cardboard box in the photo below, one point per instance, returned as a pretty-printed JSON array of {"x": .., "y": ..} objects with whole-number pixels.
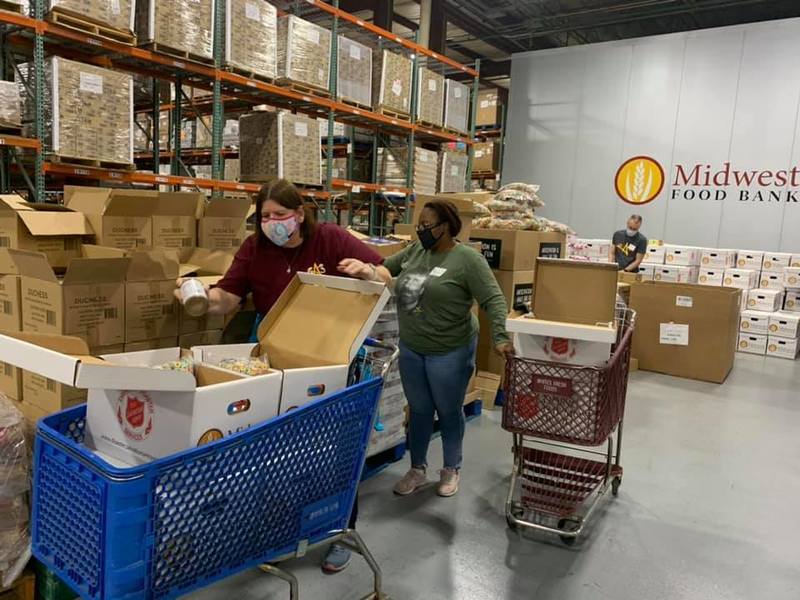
[
  {"x": 656, "y": 253},
  {"x": 452, "y": 171},
  {"x": 488, "y": 109},
  {"x": 88, "y": 112},
  {"x": 486, "y": 156},
  {"x": 142, "y": 133},
  {"x": 339, "y": 168},
  {"x": 208, "y": 266},
  {"x": 304, "y": 52},
  {"x": 222, "y": 224},
  {"x": 681, "y": 265},
  {"x": 394, "y": 73},
  {"x": 393, "y": 168},
  {"x": 594, "y": 250},
  {"x": 339, "y": 129},
  {"x": 354, "y": 72},
  {"x": 118, "y": 14},
  {"x": 177, "y": 25},
  {"x": 280, "y": 145},
  {"x": 10, "y": 104},
  {"x": 251, "y": 30},
  {"x": 456, "y": 106},
  {"x": 430, "y": 97}
]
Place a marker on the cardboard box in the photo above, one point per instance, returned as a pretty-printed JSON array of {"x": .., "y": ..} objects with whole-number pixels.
[
  {"x": 393, "y": 73},
  {"x": 712, "y": 277},
  {"x": 785, "y": 325},
  {"x": 49, "y": 395},
  {"x": 743, "y": 279},
  {"x": 752, "y": 343},
  {"x": 713, "y": 258},
  {"x": 795, "y": 262},
  {"x": 486, "y": 157},
  {"x": 48, "y": 228},
  {"x": 575, "y": 292},
  {"x": 251, "y": 37},
  {"x": 88, "y": 302},
  {"x": 354, "y": 72},
  {"x": 456, "y": 106},
  {"x": 772, "y": 280},
  {"x": 487, "y": 385},
  {"x": 517, "y": 287},
  {"x": 151, "y": 310},
  {"x": 385, "y": 247},
  {"x": 304, "y": 52},
  {"x": 511, "y": 250},
  {"x": 783, "y": 348},
  {"x": 489, "y": 108},
  {"x": 175, "y": 221},
  {"x": 686, "y": 256},
  {"x": 791, "y": 277},
  {"x": 223, "y": 224},
  {"x": 393, "y": 169},
  {"x": 201, "y": 338},
  {"x": 452, "y": 177},
  {"x": 752, "y": 321},
  {"x": 631, "y": 278},
  {"x": 792, "y": 302},
  {"x": 686, "y": 330},
  {"x": 646, "y": 272},
  {"x": 10, "y": 381},
  {"x": 565, "y": 343},
  {"x": 776, "y": 261},
  {"x": 676, "y": 274},
  {"x": 182, "y": 25},
  {"x": 655, "y": 254},
  {"x": 591, "y": 248},
  {"x": 430, "y": 97},
  {"x": 764, "y": 300},
  {"x": 120, "y": 218},
  {"x": 159, "y": 344},
  {"x": 750, "y": 259}
]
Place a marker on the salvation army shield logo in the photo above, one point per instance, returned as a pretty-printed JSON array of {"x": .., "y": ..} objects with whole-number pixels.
[
  {"x": 135, "y": 415},
  {"x": 559, "y": 349}
]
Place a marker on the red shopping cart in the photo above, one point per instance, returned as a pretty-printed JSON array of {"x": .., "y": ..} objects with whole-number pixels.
[{"x": 559, "y": 415}]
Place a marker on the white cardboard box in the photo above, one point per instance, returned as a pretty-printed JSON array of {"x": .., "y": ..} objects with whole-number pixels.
[
  {"x": 791, "y": 277},
  {"x": 785, "y": 325},
  {"x": 776, "y": 261},
  {"x": 655, "y": 255},
  {"x": 711, "y": 277},
  {"x": 752, "y": 343},
  {"x": 687, "y": 256},
  {"x": 771, "y": 280},
  {"x": 782, "y": 347},
  {"x": 713, "y": 258},
  {"x": 795, "y": 260},
  {"x": 754, "y": 322},
  {"x": 647, "y": 271},
  {"x": 750, "y": 259},
  {"x": 792, "y": 302},
  {"x": 744, "y": 279},
  {"x": 558, "y": 342},
  {"x": 591, "y": 248},
  {"x": 765, "y": 300},
  {"x": 676, "y": 274}
]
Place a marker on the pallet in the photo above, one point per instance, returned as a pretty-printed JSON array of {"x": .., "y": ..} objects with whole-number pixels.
[
  {"x": 429, "y": 125},
  {"x": 249, "y": 74},
  {"x": 383, "y": 460},
  {"x": 10, "y": 128},
  {"x": 355, "y": 104},
  {"x": 11, "y": 7},
  {"x": 304, "y": 88},
  {"x": 83, "y": 24},
  {"x": 392, "y": 114},
  {"x": 179, "y": 54},
  {"x": 90, "y": 162}
]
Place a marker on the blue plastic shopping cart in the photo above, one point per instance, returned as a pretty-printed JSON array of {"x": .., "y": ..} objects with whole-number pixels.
[{"x": 180, "y": 523}]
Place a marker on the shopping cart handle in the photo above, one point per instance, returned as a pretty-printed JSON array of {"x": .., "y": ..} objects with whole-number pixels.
[{"x": 395, "y": 352}]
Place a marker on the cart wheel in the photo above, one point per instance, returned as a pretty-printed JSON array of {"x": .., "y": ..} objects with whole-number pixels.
[
  {"x": 516, "y": 512},
  {"x": 568, "y": 525},
  {"x": 615, "y": 483}
]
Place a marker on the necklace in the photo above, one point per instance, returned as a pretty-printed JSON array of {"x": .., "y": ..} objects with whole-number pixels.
[{"x": 290, "y": 264}]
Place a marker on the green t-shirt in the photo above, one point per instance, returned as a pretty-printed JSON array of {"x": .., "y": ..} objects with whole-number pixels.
[{"x": 435, "y": 293}]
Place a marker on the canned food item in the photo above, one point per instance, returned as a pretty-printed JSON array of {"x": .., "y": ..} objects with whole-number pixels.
[{"x": 194, "y": 298}]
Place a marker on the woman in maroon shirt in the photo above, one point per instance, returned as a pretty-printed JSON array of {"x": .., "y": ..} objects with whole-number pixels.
[{"x": 290, "y": 241}]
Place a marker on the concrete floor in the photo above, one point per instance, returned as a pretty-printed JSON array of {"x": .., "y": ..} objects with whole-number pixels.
[{"x": 709, "y": 510}]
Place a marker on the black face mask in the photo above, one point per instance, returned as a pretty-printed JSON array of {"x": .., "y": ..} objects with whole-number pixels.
[{"x": 426, "y": 237}]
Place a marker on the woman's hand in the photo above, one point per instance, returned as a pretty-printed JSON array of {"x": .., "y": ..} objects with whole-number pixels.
[
  {"x": 353, "y": 267},
  {"x": 505, "y": 349}
]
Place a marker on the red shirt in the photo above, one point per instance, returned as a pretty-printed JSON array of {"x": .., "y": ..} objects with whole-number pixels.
[{"x": 264, "y": 269}]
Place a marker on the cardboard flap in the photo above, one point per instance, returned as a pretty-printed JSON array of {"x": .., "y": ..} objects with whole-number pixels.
[
  {"x": 575, "y": 291},
  {"x": 228, "y": 207},
  {"x": 97, "y": 374},
  {"x": 9, "y": 203},
  {"x": 207, "y": 262},
  {"x": 181, "y": 204},
  {"x": 53, "y": 356},
  {"x": 46, "y": 223},
  {"x": 92, "y": 251},
  {"x": 320, "y": 320},
  {"x": 111, "y": 202},
  {"x": 90, "y": 200},
  {"x": 569, "y": 331},
  {"x": 152, "y": 265},
  {"x": 34, "y": 264},
  {"x": 96, "y": 270}
]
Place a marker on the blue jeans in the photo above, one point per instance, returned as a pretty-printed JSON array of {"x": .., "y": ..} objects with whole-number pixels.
[{"x": 436, "y": 384}]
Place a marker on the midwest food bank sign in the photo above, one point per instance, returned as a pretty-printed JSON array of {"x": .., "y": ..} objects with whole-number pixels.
[{"x": 640, "y": 180}]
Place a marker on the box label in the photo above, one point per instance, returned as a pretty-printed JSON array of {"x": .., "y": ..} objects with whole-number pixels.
[
  {"x": 312, "y": 35},
  {"x": 355, "y": 52},
  {"x": 552, "y": 386},
  {"x": 301, "y": 129},
  {"x": 397, "y": 87},
  {"x": 523, "y": 295},
  {"x": 432, "y": 85},
  {"x": 116, "y": 9},
  {"x": 684, "y": 301},
  {"x": 550, "y": 250},
  {"x": 457, "y": 92},
  {"x": 89, "y": 82},
  {"x": 484, "y": 104},
  {"x": 252, "y": 11},
  {"x": 673, "y": 334},
  {"x": 454, "y": 171},
  {"x": 492, "y": 251}
]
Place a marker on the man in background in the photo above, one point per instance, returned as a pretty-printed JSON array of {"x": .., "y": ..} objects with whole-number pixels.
[{"x": 628, "y": 246}]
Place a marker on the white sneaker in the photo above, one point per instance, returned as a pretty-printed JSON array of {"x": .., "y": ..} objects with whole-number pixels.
[
  {"x": 411, "y": 482},
  {"x": 448, "y": 482}
]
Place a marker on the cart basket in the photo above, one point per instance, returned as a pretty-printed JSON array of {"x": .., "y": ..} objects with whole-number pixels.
[
  {"x": 568, "y": 403},
  {"x": 180, "y": 523}
]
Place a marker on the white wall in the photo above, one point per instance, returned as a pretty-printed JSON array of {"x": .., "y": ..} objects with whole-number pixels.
[{"x": 706, "y": 97}]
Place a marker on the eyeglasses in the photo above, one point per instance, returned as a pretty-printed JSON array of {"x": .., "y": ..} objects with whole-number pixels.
[{"x": 422, "y": 227}]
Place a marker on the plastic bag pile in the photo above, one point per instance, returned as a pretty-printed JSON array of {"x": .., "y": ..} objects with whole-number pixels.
[
  {"x": 514, "y": 207},
  {"x": 15, "y": 539}
]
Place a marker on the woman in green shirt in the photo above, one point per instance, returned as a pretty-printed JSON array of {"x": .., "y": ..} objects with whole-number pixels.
[{"x": 438, "y": 279}]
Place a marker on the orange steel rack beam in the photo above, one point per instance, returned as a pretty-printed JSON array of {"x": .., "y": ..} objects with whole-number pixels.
[{"x": 20, "y": 142}]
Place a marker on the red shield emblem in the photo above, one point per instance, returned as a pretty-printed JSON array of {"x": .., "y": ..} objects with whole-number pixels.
[
  {"x": 527, "y": 407},
  {"x": 134, "y": 411},
  {"x": 559, "y": 346}
]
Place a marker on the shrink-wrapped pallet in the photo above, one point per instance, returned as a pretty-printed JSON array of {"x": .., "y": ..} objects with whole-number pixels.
[
  {"x": 430, "y": 97},
  {"x": 88, "y": 112},
  {"x": 183, "y": 26},
  {"x": 14, "y": 488},
  {"x": 304, "y": 52},
  {"x": 452, "y": 171},
  {"x": 393, "y": 168},
  {"x": 279, "y": 145},
  {"x": 10, "y": 104},
  {"x": 394, "y": 73},
  {"x": 339, "y": 168},
  {"x": 116, "y": 14},
  {"x": 251, "y": 35},
  {"x": 354, "y": 81},
  {"x": 456, "y": 106}
]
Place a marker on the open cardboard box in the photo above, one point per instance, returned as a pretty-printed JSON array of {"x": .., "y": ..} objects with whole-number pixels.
[
  {"x": 175, "y": 221},
  {"x": 567, "y": 343},
  {"x": 223, "y": 223},
  {"x": 137, "y": 413},
  {"x": 571, "y": 291},
  {"x": 383, "y": 246},
  {"x": 312, "y": 333}
]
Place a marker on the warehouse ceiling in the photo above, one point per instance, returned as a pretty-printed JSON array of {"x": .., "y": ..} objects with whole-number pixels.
[{"x": 494, "y": 29}]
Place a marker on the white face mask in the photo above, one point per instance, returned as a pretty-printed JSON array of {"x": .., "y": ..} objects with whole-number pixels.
[
  {"x": 280, "y": 231},
  {"x": 631, "y": 232}
]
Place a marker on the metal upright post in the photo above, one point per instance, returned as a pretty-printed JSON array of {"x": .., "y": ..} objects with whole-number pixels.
[
  {"x": 472, "y": 119},
  {"x": 502, "y": 144},
  {"x": 333, "y": 86},
  {"x": 177, "y": 118},
  {"x": 218, "y": 117},
  {"x": 39, "y": 91},
  {"x": 373, "y": 209},
  {"x": 156, "y": 131},
  {"x": 412, "y": 135}
]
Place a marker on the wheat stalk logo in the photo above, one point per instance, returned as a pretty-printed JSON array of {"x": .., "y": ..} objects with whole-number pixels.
[{"x": 639, "y": 180}]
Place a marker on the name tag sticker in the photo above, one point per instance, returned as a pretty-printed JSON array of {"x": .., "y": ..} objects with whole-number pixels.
[{"x": 438, "y": 272}]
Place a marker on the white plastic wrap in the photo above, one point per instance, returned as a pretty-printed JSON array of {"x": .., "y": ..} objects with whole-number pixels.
[
  {"x": 251, "y": 33},
  {"x": 430, "y": 97},
  {"x": 14, "y": 487},
  {"x": 393, "y": 168},
  {"x": 452, "y": 171},
  {"x": 354, "y": 81},
  {"x": 10, "y": 104},
  {"x": 304, "y": 52},
  {"x": 177, "y": 25},
  {"x": 393, "y": 75},
  {"x": 456, "y": 106}
]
